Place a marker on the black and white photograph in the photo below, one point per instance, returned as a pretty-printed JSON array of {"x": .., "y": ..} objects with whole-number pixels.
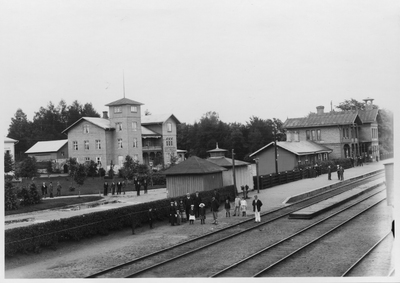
[{"x": 191, "y": 140}]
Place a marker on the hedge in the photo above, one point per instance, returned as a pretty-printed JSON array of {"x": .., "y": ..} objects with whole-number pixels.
[{"x": 36, "y": 236}]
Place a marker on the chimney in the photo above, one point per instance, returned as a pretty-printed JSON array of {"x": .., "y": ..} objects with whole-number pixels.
[
  {"x": 105, "y": 115},
  {"x": 320, "y": 110}
]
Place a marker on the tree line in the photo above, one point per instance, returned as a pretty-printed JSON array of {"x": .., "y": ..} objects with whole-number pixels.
[
  {"x": 196, "y": 138},
  {"x": 47, "y": 124}
]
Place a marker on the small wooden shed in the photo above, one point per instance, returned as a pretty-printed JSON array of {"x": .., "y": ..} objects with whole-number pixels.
[{"x": 193, "y": 174}]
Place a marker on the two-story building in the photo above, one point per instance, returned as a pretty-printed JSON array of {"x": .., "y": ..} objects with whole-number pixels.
[
  {"x": 347, "y": 133},
  {"x": 108, "y": 140}
]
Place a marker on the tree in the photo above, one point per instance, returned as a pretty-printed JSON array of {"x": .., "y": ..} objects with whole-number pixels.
[
  {"x": 8, "y": 162},
  {"x": 385, "y": 131},
  {"x": 352, "y": 104},
  {"x": 27, "y": 168},
  {"x": 11, "y": 201},
  {"x": 20, "y": 129},
  {"x": 77, "y": 171},
  {"x": 91, "y": 168},
  {"x": 129, "y": 168}
]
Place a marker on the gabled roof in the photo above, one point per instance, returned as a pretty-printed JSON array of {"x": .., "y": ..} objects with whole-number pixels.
[
  {"x": 124, "y": 101},
  {"x": 47, "y": 146},
  {"x": 100, "y": 122},
  {"x": 158, "y": 119},
  {"x": 324, "y": 119},
  {"x": 226, "y": 162},
  {"x": 194, "y": 165},
  {"x": 368, "y": 116},
  {"x": 10, "y": 140},
  {"x": 149, "y": 133},
  {"x": 298, "y": 148}
]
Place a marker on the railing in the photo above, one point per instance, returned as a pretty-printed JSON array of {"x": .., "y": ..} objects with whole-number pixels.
[{"x": 152, "y": 147}]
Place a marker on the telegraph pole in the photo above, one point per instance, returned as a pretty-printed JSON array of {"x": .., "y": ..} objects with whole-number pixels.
[
  {"x": 276, "y": 152},
  {"x": 233, "y": 171}
]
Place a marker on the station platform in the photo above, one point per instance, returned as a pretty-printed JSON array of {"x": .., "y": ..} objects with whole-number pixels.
[
  {"x": 325, "y": 205},
  {"x": 272, "y": 198}
]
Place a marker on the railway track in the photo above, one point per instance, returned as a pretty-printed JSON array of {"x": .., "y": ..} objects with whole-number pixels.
[
  {"x": 145, "y": 264},
  {"x": 260, "y": 263}
]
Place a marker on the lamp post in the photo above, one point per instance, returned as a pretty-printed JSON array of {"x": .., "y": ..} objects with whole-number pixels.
[{"x": 258, "y": 175}]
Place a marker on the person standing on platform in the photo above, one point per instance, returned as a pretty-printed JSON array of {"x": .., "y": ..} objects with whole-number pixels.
[
  {"x": 227, "y": 208},
  {"x": 44, "y": 190},
  {"x": 257, "y": 209},
  {"x": 196, "y": 201},
  {"x": 151, "y": 217},
  {"x": 237, "y": 206},
  {"x": 188, "y": 203},
  {"x": 192, "y": 217},
  {"x": 247, "y": 191},
  {"x": 145, "y": 185},
  {"x": 51, "y": 189},
  {"x": 105, "y": 192},
  {"x": 243, "y": 206},
  {"x": 119, "y": 187},
  {"x": 341, "y": 173},
  {"x": 113, "y": 188},
  {"x": 58, "y": 189},
  {"x": 217, "y": 196},
  {"x": 338, "y": 171},
  {"x": 202, "y": 213},
  {"x": 214, "y": 209},
  {"x": 178, "y": 215},
  {"x": 172, "y": 214},
  {"x": 329, "y": 172},
  {"x": 182, "y": 210},
  {"x": 137, "y": 186}
]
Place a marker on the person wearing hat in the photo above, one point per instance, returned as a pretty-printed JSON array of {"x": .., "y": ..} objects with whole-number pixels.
[
  {"x": 338, "y": 171},
  {"x": 202, "y": 213},
  {"x": 214, "y": 209},
  {"x": 192, "y": 217},
  {"x": 329, "y": 172},
  {"x": 188, "y": 203},
  {"x": 172, "y": 214}
]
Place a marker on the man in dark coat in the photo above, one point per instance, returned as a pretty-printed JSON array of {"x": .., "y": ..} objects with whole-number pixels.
[
  {"x": 137, "y": 187},
  {"x": 113, "y": 188},
  {"x": 216, "y": 195},
  {"x": 151, "y": 217},
  {"x": 44, "y": 190},
  {"x": 257, "y": 208},
  {"x": 172, "y": 214},
  {"x": 341, "y": 173},
  {"x": 119, "y": 187},
  {"x": 214, "y": 209},
  {"x": 105, "y": 193},
  {"x": 145, "y": 185},
  {"x": 338, "y": 171},
  {"x": 196, "y": 201},
  {"x": 329, "y": 172},
  {"x": 188, "y": 203}
]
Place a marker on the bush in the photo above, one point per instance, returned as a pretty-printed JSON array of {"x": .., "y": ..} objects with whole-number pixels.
[
  {"x": 159, "y": 179},
  {"x": 29, "y": 196},
  {"x": 11, "y": 201},
  {"x": 36, "y": 236}
]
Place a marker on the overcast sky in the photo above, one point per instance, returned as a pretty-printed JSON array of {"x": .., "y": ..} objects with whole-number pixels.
[{"x": 271, "y": 59}]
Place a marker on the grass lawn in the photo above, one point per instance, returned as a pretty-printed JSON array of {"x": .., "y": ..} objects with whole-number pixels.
[{"x": 53, "y": 203}]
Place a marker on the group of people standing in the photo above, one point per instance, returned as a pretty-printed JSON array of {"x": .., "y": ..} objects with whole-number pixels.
[
  {"x": 119, "y": 187},
  {"x": 115, "y": 188},
  {"x": 44, "y": 190},
  {"x": 194, "y": 208},
  {"x": 339, "y": 171},
  {"x": 357, "y": 161}
]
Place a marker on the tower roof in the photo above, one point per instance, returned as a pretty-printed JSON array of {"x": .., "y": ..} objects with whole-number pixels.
[{"x": 124, "y": 101}]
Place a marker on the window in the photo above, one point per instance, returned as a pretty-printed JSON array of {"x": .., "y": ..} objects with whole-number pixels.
[
  {"x": 347, "y": 133},
  {"x": 118, "y": 126},
  {"x": 117, "y": 109},
  {"x": 135, "y": 157},
  {"x": 169, "y": 142},
  {"x": 86, "y": 145},
  {"x": 87, "y": 159},
  {"x": 75, "y": 145},
  {"x": 307, "y": 135},
  {"x": 62, "y": 153},
  {"x": 169, "y": 127},
  {"x": 344, "y": 133},
  {"x": 318, "y": 135},
  {"x": 98, "y": 144},
  {"x": 119, "y": 143},
  {"x": 86, "y": 129},
  {"x": 135, "y": 142},
  {"x": 313, "y": 135},
  {"x": 134, "y": 126},
  {"x": 134, "y": 108},
  {"x": 98, "y": 160}
]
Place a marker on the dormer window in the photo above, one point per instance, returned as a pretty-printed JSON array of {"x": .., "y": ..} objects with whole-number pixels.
[
  {"x": 117, "y": 109},
  {"x": 134, "y": 108},
  {"x": 169, "y": 127}
]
